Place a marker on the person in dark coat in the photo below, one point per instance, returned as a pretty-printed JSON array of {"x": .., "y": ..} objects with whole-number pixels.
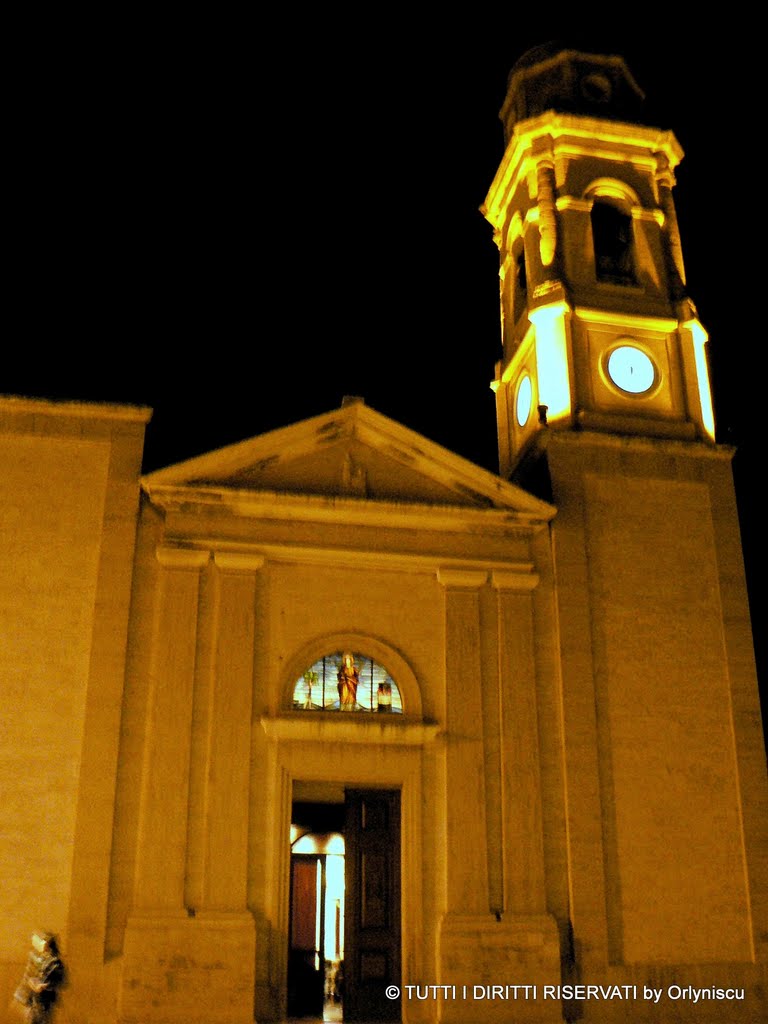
[{"x": 43, "y": 978}]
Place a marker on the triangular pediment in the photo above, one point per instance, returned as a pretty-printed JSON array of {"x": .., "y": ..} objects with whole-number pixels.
[{"x": 351, "y": 452}]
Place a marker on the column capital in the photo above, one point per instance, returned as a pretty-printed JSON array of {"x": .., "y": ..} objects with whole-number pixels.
[
  {"x": 464, "y": 579},
  {"x": 238, "y": 561},
  {"x": 181, "y": 558},
  {"x": 520, "y": 580}
]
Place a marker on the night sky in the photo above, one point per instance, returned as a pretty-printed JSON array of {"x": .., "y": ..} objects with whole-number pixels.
[{"x": 237, "y": 224}]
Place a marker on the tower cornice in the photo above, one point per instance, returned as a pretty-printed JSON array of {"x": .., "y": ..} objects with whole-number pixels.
[{"x": 552, "y": 137}]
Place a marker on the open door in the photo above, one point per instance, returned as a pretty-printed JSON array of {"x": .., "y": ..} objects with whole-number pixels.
[
  {"x": 305, "y": 969},
  {"x": 372, "y": 904},
  {"x": 316, "y": 918}
]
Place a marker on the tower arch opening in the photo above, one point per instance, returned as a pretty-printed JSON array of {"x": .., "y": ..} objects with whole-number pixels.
[{"x": 613, "y": 237}]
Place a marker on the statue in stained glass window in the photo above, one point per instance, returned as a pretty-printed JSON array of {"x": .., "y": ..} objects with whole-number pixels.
[
  {"x": 348, "y": 677},
  {"x": 346, "y": 681}
]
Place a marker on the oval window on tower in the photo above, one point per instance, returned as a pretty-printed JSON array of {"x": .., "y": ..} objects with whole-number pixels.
[
  {"x": 631, "y": 369},
  {"x": 524, "y": 399}
]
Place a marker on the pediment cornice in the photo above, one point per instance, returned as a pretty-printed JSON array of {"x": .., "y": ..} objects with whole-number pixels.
[{"x": 352, "y": 463}]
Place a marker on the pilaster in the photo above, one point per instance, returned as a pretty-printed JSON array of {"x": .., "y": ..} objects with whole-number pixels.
[
  {"x": 225, "y": 736},
  {"x": 189, "y": 951},
  {"x": 161, "y": 857},
  {"x": 524, "y": 887},
  {"x": 496, "y": 929},
  {"x": 467, "y": 876}
]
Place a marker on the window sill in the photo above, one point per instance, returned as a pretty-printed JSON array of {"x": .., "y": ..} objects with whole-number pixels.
[{"x": 349, "y": 727}]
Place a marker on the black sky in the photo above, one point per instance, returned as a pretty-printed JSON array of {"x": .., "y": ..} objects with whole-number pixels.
[{"x": 239, "y": 223}]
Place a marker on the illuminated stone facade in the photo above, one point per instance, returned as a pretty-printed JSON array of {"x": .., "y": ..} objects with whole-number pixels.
[{"x": 579, "y": 758}]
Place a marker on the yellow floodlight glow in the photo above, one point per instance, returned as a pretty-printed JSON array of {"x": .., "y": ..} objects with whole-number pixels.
[
  {"x": 699, "y": 336},
  {"x": 552, "y": 359}
]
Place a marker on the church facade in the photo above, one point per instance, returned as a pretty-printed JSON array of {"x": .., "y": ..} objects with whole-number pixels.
[{"x": 527, "y": 702}]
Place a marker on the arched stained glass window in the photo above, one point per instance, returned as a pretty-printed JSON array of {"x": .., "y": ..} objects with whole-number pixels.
[{"x": 347, "y": 681}]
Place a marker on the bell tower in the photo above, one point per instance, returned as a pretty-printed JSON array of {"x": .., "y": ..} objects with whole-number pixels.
[
  {"x": 604, "y": 409},
  {"x": 598, "y": 331}
]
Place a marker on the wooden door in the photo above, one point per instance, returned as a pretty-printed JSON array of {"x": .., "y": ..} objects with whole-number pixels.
[
  {"x": 305, "y": 962},
  {"x": 372, "y": 904}
]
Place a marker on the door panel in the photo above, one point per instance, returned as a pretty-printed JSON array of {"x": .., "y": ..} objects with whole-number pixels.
[
  {"x": 372, "y": 904},
  {"x": 305, "y": 973}
]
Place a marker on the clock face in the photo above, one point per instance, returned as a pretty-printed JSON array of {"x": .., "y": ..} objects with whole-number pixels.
[
  {"x": 524, "y": 399},
  {"x": 631, "y": 370}
]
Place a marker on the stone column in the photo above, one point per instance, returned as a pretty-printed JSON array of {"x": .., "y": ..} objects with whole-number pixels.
[
  {"x": 547, "y": 192},
  {"x": 671, "y": 231}
]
